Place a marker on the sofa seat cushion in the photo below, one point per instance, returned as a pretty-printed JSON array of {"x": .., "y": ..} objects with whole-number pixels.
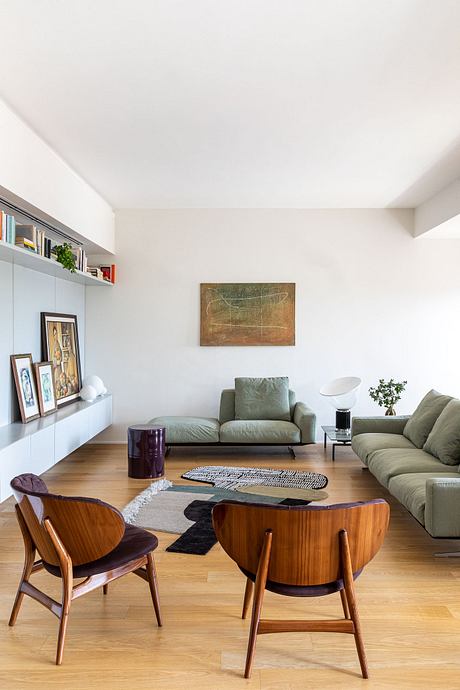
[
  {"x": 259, "y": 431},
  {"x": 410, "y": 490},
  {"x": 385, "y": 464},
  {"x": 365, "y": 444},
  {"x": 189, "y": 429}
]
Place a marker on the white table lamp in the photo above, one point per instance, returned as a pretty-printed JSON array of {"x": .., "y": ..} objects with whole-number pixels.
[{"x": 343, "y": 394}]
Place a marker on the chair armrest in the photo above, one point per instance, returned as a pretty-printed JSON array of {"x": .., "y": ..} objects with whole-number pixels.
[
  {"x": 442, "y": 507},
  {"x": 305, "y": 419},
  {"x": 378, "y": 425}
]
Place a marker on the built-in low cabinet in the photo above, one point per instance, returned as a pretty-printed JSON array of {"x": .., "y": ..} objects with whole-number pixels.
[{"x": 38, "y": 445}]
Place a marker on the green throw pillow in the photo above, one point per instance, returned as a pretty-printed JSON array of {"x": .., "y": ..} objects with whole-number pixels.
[
  {"x": 422, "y": 421},
  {"x": 266, "y": 398},
  {"x": 444, "y": 439}
]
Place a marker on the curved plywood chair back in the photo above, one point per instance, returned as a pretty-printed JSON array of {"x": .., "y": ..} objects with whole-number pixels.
[
  {"x": 305, "y": 545},
  {"x": 88, "y": 528}
]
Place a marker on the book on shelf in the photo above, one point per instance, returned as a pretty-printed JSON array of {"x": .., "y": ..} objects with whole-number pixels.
[
  {"x": 25, "y": 243},
  {"x": 7, "y": 228},
  {"x": 109, "y": 273},
  {"x": 26, "y": 232},
  {"x": 95, "y": 271},
  {"x": 106, "y": 273},
  {"x": 24, "y": 235}
]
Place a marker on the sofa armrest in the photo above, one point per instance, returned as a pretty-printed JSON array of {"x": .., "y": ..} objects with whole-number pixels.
[
  {"x": 378, "y": 425},
  {"x": 305, "y": 419},
  {"x": 442, "y": 507}
]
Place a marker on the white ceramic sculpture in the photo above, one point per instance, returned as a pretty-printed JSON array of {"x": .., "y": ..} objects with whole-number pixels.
[
  {"x": 88, "y": 393},
  {"x": 97, "y": 383}
]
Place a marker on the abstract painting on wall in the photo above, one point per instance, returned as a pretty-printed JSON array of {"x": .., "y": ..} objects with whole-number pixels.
[{"x": 247, "y": 314}]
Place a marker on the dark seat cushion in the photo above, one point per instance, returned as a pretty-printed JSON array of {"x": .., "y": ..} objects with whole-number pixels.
[
  {"x": 299, "y": 591},
  {"x": 135, "y": 543}
]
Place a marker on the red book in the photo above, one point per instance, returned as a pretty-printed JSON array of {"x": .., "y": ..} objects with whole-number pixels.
[
  {"x": 107, "y": 273},
  {"x": 113, "y": 272}
]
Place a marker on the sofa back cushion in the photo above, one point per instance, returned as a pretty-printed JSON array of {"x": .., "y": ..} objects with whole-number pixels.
[
  {"x": 227, "y": 405},
  {"x": 262, "y": 398},
  {"x": 444, "y": 439},
  {"x": 422, "y": 421}
]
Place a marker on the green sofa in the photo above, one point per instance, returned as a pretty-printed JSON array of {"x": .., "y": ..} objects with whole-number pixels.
[
  {"x": 228, "y": 431},
  {"x": 429, "y": 487}
]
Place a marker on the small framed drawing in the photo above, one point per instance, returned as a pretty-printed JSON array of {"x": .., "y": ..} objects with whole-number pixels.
[
  {"x": 45, "y": 388},
  {"x": 60, "y": 347},
  {"x": 25, "y": 387}
]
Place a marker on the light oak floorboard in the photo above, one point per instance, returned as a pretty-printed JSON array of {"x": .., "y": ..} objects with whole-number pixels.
[{"x": 408, "y": 601}]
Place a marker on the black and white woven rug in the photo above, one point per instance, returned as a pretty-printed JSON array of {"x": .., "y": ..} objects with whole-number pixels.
[{"x": 234, "y": 477}]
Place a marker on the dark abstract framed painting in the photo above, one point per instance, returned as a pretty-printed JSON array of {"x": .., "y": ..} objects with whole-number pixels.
[{"x": 247, "y": 314}]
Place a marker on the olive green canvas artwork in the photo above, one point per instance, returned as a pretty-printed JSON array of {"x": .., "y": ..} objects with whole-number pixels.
[{"x": 247, "y": 314}]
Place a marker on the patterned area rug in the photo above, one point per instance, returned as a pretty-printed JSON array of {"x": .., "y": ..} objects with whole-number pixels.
[
  {"x": 186, "y": 510},
  {"x": 234, "y": 477},
  {"x": 200, "y": 538},
  {"x": 284, "y": 492}
]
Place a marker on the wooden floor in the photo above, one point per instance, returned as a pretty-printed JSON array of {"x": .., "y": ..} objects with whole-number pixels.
[{"x": 409, "y": 601}]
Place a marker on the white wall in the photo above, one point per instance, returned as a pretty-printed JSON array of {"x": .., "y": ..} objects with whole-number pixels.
[
  {"x": 441, "y": 209},
  {"x": 32, "y": 171},
  {"x": 371, "y": 301},
  {"x": 24, "y": 294}
]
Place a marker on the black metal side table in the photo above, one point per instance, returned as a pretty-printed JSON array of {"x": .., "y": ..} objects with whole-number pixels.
[
  {"x": 338, "y": 438},
  {"x": 146, "y": 451}
]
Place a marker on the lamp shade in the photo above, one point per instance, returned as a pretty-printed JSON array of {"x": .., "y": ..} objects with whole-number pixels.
[{"x": 342, "y": 393}]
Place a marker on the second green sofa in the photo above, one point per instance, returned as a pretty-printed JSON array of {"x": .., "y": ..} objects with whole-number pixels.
[{"x": 427, "y": 486}]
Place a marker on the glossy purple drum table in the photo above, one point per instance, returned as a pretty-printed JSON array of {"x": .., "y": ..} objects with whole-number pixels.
[{"x": 146, "y": 451}]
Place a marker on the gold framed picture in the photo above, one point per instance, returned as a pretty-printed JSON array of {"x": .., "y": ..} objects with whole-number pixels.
[{"x": 60, "y": 347}]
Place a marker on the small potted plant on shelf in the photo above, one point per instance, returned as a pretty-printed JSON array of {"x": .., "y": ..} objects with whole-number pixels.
[
  {"x": 65, "y": 257},
  {"x": 387, "y": 394}
]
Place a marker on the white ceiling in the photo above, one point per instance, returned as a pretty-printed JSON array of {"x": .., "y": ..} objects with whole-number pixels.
[{"x": 243, "y": 103}]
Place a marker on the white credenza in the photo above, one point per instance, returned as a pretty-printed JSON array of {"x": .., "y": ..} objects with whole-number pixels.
[{"x": 38, "y": 445}]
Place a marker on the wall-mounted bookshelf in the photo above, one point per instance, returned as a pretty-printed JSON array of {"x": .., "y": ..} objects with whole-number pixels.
[
  {"x": 36, "y": 258},
  {"x": 23, "y": 257}
]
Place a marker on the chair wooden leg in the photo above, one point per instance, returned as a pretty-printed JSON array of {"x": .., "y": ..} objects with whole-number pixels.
[
  {"x": 65, "y": 563},
  {"x": 29, "y": 557},
  {"x": 105, "y": 589},
  {"x": 343, "y": 598},
  {"x": 66, "y": 601},
  {"x": 247, "y": 597},
  {"x": 259, "y": 590},
  {"x": 153, "y": 584},
  {"x": 352, "y": 605}
]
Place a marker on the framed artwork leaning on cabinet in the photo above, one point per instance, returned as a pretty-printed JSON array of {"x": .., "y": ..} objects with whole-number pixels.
[
  {"x": 45, "y": 388},
  {"x": 26, "y": 390},
  {"x": 60, "y": 347}
]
